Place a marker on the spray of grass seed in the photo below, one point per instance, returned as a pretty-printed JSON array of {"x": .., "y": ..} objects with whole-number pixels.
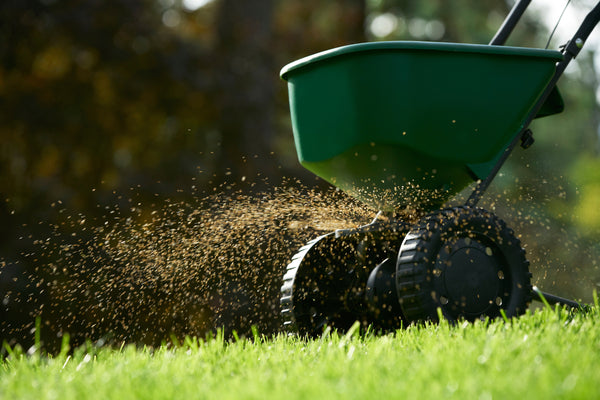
[{"x": 185, "y": 268}]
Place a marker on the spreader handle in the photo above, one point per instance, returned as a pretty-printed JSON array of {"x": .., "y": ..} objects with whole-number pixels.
[
  {"x": 573, "y": 46},
  {"x": 510, "y": 22},
  {"x": 570, "y": 51}
]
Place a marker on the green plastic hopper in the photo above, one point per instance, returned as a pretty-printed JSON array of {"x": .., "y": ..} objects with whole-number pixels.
[{"x": 411, "y": 123}]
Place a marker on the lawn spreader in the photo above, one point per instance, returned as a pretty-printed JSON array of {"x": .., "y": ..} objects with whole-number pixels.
[{"x": 404, "y": 126}]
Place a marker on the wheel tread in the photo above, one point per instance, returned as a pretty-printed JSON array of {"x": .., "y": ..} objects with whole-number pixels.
[{"x": 412, "y": 274}]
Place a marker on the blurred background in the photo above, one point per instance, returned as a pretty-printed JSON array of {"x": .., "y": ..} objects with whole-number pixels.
[{"x": 175, "y": 99}]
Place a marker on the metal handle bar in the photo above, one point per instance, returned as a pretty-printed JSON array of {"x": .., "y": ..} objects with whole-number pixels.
[
  {"x": 510, "y": 22},
  {"x": 588, "y": 25}
]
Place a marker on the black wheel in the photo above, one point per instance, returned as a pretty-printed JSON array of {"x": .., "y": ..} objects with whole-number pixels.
[
  {"x": 316, "y": 286},
  {"x": 326, "y": 282},
  {"x": 464, "y": 261}
]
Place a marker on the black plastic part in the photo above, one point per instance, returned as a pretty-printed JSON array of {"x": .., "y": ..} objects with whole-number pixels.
[
  {"x": 316, "y": 285},
  {"x": 467, "y": 263},
  {"x": 382, "y": 296},
  {"x": 554, "y": 104},
  {"x": 527, "y": 139},
  {"x": 326, "y": 282}
]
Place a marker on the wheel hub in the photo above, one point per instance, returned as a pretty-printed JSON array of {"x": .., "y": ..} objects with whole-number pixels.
[
  {"x": 382, "y": 297},
  {"x": 470, "y": 277}
]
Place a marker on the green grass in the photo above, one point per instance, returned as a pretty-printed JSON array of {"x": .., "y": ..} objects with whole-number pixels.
[{"x": 546, "y": 354}]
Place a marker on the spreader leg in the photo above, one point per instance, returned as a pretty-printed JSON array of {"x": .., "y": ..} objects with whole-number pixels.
[{"x": 551, "y": 299}]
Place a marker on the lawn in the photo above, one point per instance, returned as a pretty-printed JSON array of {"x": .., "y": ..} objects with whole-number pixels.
[{"x": 550, "y": 353}]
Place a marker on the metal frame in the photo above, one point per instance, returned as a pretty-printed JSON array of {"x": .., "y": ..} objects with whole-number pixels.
[{"x": 570, "y": 50}]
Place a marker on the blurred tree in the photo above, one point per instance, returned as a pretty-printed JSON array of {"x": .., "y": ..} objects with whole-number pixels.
[
  {"x": 460, "y": 21},
  {"x": 95, "y": 98},
  {"x": 98, "y": 98},
  {"x": 244, "y": 63}
]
